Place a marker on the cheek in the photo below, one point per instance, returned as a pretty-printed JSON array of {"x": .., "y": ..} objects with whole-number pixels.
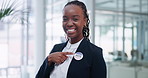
[
  {"x": 81, "y": 26},
  {"x": 80, "y": 29},
  {"x": 64, "y": 24}
]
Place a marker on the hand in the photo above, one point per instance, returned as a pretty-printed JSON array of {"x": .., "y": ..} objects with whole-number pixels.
[{"x": 58, "y": 57}]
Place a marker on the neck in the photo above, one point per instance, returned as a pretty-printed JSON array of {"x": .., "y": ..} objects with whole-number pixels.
[{"x": 72, "y": 40}]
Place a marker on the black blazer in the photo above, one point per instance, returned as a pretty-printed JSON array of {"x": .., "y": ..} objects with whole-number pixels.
[{"x": 92, "y": 65}]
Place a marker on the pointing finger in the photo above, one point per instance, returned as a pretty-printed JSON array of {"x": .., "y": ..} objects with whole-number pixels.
[{"x": 68, "y": 53}]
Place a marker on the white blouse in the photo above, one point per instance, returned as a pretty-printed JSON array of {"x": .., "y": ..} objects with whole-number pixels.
[{"x": 60, "y": 71}]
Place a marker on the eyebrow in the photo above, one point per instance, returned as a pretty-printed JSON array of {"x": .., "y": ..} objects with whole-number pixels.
[
  {"x": 73, "y": 16},
  {"x": 76, "y": 16}
]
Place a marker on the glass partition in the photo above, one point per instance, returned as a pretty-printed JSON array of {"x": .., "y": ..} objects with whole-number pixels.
[{"x": 119, "y": 29}]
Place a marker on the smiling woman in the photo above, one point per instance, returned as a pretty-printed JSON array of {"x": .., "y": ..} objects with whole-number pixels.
[{"x": 77, "y": 57}]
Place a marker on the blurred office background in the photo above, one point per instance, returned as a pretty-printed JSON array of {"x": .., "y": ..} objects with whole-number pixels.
[{"x": 120, "y": 27}]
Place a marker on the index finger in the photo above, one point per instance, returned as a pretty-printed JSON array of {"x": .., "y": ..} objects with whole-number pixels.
[{"x": 68, "y": 53}]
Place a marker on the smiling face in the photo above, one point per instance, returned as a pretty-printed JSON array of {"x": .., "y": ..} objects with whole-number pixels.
[{"x": 73, "y": 22}]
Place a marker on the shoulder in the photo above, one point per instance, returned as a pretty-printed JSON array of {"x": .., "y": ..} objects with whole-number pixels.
[
  {"x": 95, "y": 46},
  {"x": 95, "y": 49},
  {"x": 90, "y": 47},
  {"x": 60, "y": 44}
]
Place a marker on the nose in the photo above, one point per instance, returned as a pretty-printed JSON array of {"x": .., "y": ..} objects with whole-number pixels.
[{"x": 70, "y": 23}]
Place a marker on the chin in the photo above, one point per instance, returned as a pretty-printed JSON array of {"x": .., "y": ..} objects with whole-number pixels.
[{"x": 70, "y": 37}]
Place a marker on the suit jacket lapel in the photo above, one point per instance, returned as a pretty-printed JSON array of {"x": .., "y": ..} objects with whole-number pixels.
[{"x": 82, "y": 48}]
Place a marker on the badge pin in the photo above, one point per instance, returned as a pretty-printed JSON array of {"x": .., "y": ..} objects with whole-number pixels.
[{"x": 78, "y": 55}]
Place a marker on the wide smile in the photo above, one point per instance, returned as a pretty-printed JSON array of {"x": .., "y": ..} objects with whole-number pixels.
[{"x": 69, "y": 31}]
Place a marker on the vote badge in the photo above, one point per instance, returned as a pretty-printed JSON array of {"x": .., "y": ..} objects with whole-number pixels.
[{"x": 78, "y": 55}]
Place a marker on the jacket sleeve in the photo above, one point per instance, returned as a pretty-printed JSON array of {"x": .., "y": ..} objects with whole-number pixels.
[
  {"x": 45, "y": 70},
  {"x": 98, "y": 65}
]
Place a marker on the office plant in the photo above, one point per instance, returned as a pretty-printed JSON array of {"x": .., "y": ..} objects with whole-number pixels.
[{"x": 11, "y": 11}]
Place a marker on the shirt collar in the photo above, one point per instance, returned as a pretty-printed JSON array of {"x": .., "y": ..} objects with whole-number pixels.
[{"x": 75, "y": 45}]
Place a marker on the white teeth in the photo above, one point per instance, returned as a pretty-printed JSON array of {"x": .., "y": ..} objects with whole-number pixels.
[{"x": 71, "y": 30}]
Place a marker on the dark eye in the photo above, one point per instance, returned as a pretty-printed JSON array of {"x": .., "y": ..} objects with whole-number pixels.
[
  {"x": 75, "y": 19},
  {"x": 65, "y": 19}
]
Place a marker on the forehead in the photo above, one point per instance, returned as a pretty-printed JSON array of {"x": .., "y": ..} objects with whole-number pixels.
[{"x": 72, "y": 9}]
